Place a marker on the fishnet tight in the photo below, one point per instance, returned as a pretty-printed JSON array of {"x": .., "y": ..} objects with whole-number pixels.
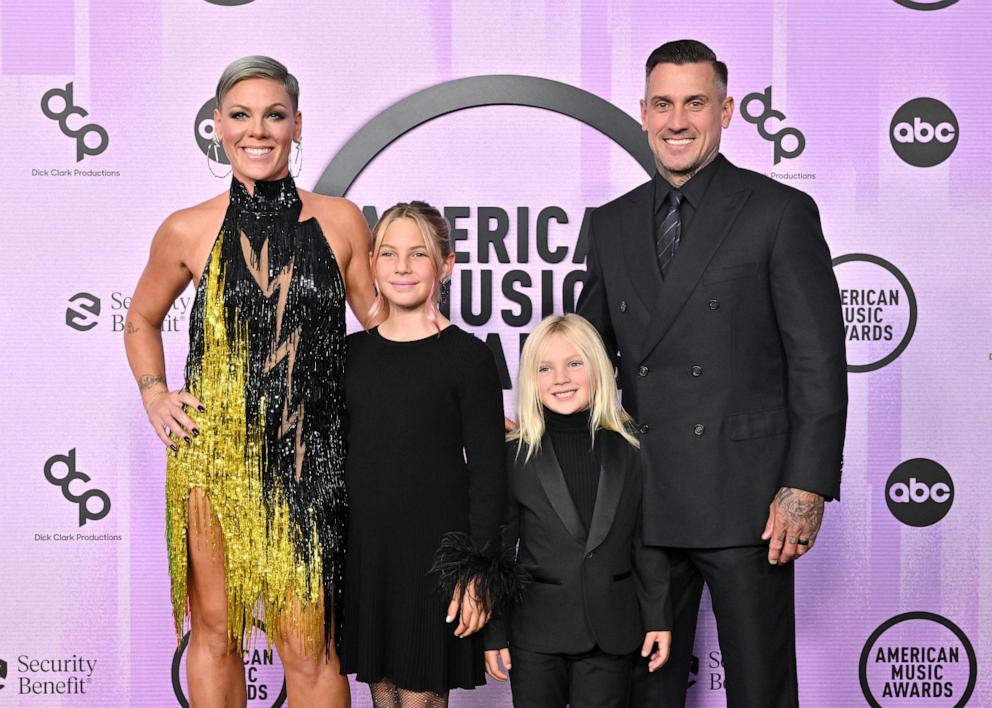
[{"x": 386, "y": 694}]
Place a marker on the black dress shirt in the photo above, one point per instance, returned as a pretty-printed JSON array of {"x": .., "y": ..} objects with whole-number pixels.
[{"x": 693, "y": 192}]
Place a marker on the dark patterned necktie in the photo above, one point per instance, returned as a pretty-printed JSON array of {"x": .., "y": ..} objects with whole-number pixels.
[{"x": 669, "y": 231}]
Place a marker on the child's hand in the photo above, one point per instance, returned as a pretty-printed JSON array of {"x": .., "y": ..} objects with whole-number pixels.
[
  {"x": 466, "y": 605},
  {"x": 658, "y": 659},
  {"x": 492, "y": 664}
]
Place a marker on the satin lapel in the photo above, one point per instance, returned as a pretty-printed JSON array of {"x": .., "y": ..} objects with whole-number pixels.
[
  {"x": 550, "y": 475},
  {"x": 637, "y": 236},
  {"x": 611, "y": 479},
  {"x": 710, "y": 226}
]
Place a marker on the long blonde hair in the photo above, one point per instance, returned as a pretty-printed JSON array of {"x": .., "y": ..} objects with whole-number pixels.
[
  {"x": 437, "y": 240},
  {"x": 605, "y": 410}
]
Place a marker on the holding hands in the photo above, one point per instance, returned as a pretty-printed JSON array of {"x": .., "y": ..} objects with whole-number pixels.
[{"x": 794, "y": 519}]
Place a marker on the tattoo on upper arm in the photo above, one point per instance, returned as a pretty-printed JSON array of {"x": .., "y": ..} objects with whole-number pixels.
[
  {"x": 148, "y": 380},
  {"x": 129, "y": 328}
]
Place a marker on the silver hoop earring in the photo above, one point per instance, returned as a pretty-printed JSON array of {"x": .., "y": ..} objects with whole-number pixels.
[
  {"x": 298, "y": 158},
  {"x": 215, "y": 148}
]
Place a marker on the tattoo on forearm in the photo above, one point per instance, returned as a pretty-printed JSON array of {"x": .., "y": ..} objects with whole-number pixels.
[
  {"x": 129, "y": 328},
  {"x": 148, "y": 380},
  {"x": 803, "y": 509}
]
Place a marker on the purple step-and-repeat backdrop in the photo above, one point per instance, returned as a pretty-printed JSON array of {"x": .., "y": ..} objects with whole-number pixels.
[{"x": 877, "y": 108}]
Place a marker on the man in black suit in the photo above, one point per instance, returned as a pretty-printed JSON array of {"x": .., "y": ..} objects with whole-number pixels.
[{"x": 715, "y": 286}]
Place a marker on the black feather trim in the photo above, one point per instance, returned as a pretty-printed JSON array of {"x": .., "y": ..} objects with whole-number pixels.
[{"x": 499, "y": 579}]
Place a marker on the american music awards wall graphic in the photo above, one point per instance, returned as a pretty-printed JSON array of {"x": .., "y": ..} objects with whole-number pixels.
[{"x": 517, "y": 123}]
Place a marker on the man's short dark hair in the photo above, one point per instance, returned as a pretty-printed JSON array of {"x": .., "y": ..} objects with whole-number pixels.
[{"x": 686, "y": 51}]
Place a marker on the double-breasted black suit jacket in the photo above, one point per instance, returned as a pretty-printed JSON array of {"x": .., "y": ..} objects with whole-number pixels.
[
  {"x": 604, "y": 587},
  {"x": 734, "y": 364}
]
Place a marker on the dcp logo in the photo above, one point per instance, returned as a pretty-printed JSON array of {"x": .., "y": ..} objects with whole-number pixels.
[
  {"x": 761, "y": 120},
  {"x": 71, "y": 475},
  {"x": 83, "y": 311},
  {"x": 924, "y": 132},
  {"x": 203, "y": 130},
  {"x": 919, "y": 492},
  {"x": 926, "y": 4},
  {"x": 62, "y": 116}
]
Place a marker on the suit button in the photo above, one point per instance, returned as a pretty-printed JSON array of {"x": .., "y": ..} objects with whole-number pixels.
[
  {"x": 645, "y": 428},
  {"x": 713, "y": 304},
  {"x": 588, "y": 555},
  {"x": 643, "y": 371},
  {"x": 696, "y": 371},
  {"x": 623, "y": 306},
  {"x": 698, "y": 429}
]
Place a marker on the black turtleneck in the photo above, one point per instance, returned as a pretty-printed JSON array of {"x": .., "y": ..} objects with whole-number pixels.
[{"x": 579, "y": 463}]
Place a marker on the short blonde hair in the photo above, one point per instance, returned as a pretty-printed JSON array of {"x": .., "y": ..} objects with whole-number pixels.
[
  {"x": 437, "y": 240},
  {"x": 605, "y": 409}
]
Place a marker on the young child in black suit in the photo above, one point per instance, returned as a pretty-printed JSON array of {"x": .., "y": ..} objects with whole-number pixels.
[{"x": 597, "y": 593}]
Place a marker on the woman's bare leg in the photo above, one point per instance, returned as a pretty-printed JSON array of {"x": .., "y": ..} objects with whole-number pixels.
[
  {"x": 214, "y": 666},
  {"x": 313, "y": 677}
]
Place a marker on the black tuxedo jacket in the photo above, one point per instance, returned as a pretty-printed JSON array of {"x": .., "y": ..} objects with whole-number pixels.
[
  {"x": 604, "y": 587},
  {"x": 734, "y": 364}
]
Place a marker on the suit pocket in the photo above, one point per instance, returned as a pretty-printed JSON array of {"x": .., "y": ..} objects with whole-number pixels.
[
  {"x": 622, "y": 576},
  {"x": 720, "y": 275},
  {"x": 758, "y": 424}
]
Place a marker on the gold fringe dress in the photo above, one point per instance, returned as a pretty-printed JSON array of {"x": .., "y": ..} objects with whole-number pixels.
[{"x": 266, "y": 359}]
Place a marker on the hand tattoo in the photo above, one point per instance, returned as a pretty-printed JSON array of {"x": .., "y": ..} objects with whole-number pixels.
[
  {"x": 800, "y": 509},
  {"x": 147, "y": 381}
]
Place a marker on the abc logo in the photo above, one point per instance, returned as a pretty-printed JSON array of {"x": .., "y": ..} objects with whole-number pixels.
[
  {"x": 203, "y": 130},
  {"x": 919, "y": 492},
  {"x": 924, "y": 132}
]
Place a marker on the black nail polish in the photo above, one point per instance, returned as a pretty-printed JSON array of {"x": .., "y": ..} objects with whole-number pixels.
[
  {"x": 173, "y": 447},
  {"x": 187, "y": 439},
  {"x": 201, "y": 409},
  {"x": 196, "y": 431}
]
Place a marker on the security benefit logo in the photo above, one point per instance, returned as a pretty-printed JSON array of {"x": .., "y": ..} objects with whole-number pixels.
[
  {"x": 924, "y": 132},
  {"x": 91, "y": 139},
  {"x": 879, "y": 308},
  {"x": 84, "y": 311},
  {"x": 919, "y": 492},
  {"x": 918, "y": 658},
  {"x": 264, "y": 677},
  {"x": 48, "y": 675},
  {"x": 203, "y": 132},
  {"x": 61, "y": 472},
  {"x": 707, "y": 673},
  {"x": 757, "y": 108}
]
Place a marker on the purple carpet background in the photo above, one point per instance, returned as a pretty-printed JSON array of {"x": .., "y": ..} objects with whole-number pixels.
[{"x": 87, "y": 616}]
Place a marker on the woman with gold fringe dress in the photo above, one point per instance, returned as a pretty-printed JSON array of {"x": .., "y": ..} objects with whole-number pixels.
[{"x": 255, "y": 501}]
